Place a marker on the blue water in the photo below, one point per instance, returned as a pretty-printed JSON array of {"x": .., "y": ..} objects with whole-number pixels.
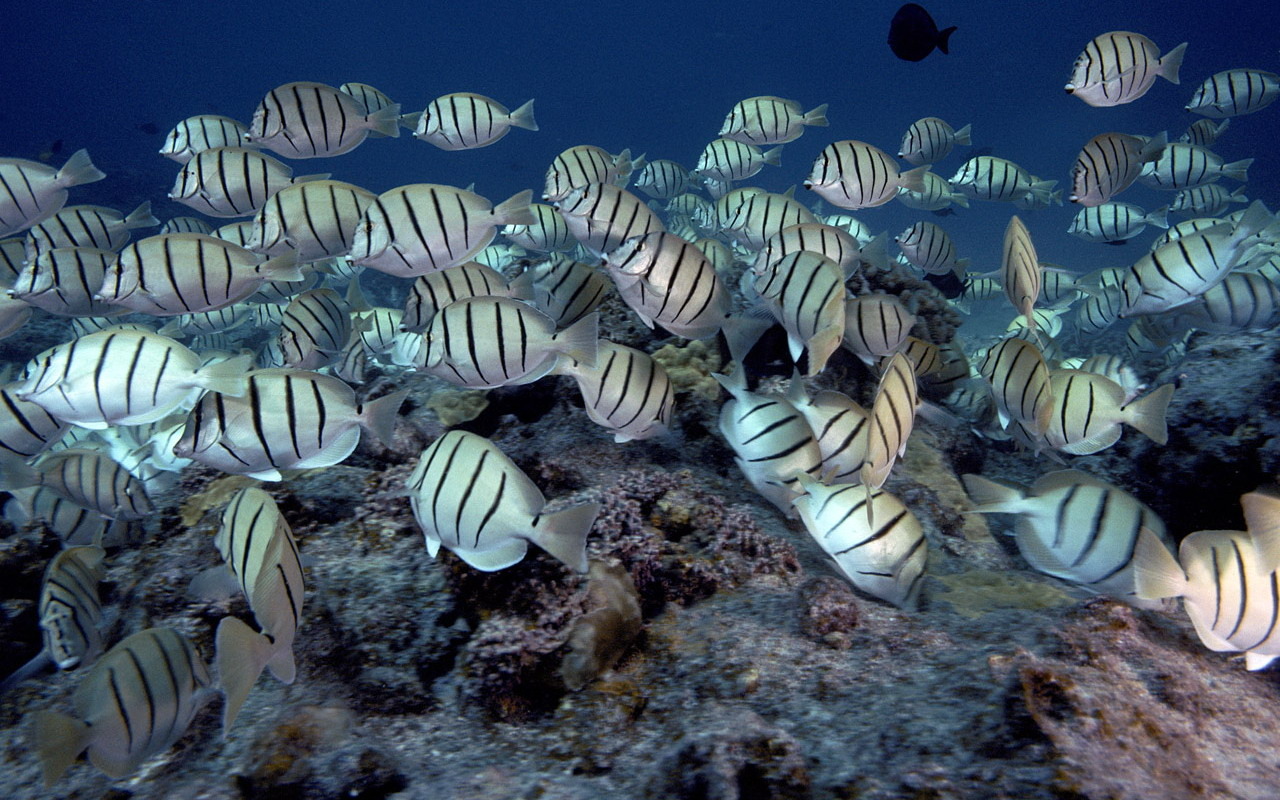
[{"x": 656, "y": 77}]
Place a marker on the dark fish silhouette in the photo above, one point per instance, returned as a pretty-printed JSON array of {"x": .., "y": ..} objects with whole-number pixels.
[
  {"x": 1118, "y": 242},
  {"x": 151, "y": 129},
  {"x": 945, "y": 212},
  {"x": 913, "y": 34}
]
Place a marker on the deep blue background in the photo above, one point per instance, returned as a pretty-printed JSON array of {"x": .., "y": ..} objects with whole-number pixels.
[{"x": 657, "y": 77}]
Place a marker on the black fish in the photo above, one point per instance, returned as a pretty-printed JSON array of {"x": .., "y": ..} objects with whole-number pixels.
[
  {"x": 1118, "y": 242},
  {"x": 945, "y": 212},
  {"x": 151, "y": 129},
  {"x": 913, "y": 34}
]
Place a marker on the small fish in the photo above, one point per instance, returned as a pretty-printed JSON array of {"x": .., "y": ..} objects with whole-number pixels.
[
  {"x": 311, "y": 120},
  {"x": 835, "y": 243},
  {"x": 840, "y": 427},
  {"x": 1115, "y": 222},
  {"x": 913, "y": 34},
  {"x": 882, "y": 552},
  {"x": 26, "y": 429},
  {"x": 136, "y": 702},
  {"x": 90, "y": 479},
  {"x": 31, "y": 192},
  {"x": 667, "y": 281},
  {"x": 582, "y": 166},
  {"x": 74, "y": 524},
  {"x": 470, "y": 497},
  {"x": 235, "y": 232},
  {"x": 468, "y": 121},
  {"x": 1020, "y": 272},
  {"x": 805, "y": 292},
  {"x": 70, "y": 612},
  {"x": 937, "y": 196},
  {"x": 1099, "y": 311},
  {"x": 562, "y": 288},
  {"x": 88, "y": 226},
  {"x": 1234, "y": 93},
  {"x": 626, "y": 391},
  {"x": 373, "y": 99},
  {"x": 64, "y": 281},
  {"x": 206, "y": 323},
  {"x": 1119, "y": 67},
  {"x": 664, "y": 179},
  {"x": 435, "y": 290},
  {"x": 1206, "y": 201},
  {"x": 202, "y": 132},
  {"x": 851, "y": 174},
  {"x": 1020, "y": 384},
  {"x": 315, "y": 328},
  {"x": 231, "y": 182},
  {"x": 729, "y": 160},
  {"x": 317, "y": 220},
  {"x": 927, "y": 246},
  {"x": 929, "y": 140},
  {"x": 768, "y": 120},
  {"x": 548, "y": 232},
  {"x": 892, "y": 419},
  {"x": 1090, "y": 409},
  {"x": 998, "y": 179},
  {"x": 1186, "y": 166},
  {"x": 602, "y": 216},
  {"x": 876, "y": 326},
  {"x": 1109, "y": 163},
  {"x": 1204, "y": 132},
  {"x": 763, "y": 215}
]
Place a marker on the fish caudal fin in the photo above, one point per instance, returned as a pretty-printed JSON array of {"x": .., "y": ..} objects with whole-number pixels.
[
  {"x": 817, "y": 118},
  {"x": 379, "y": 416},
  {"x": 773, "y": 157},
  {"x": 78, "y": 170},
  {"x": 522, "y": 117},
  {"x": 962, "y": 135},
  {"x": 581, "y": 340},
  {"x": 1147, "y": 413},
  {"x": 1171, "y": 62},
  {"x": 242, "y": 653},
  {"x": 1156, "y": 573},
  {"x": 515, "y": 210},
  {"x": 385, "y": 121},
  {"x": 141, "y": 217},
  {"x": 563, "y": 534},
  {"x": 226, "y": 377},
  {"x": 944, "y": 38},
  {"x": 282, "y": 268},
  {"x": 1238, "y": 170},
  {"x": 989, "y": 497},
  {"x": 913, "y": 179},
  {"x": 60, "y": 739}
]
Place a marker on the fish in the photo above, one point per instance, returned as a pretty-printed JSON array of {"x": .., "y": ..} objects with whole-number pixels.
[
  {"x": 1099, "y": 311},
  {"x": 1109, "y": 163},
  {"x": 1227, "y": 581},
  {"x": 121, "y": 377},
  {"x": 913, "y": 34},
  {"x": 316, "y": 326},
  {"x": 373, "y": 99},
  {"x": 287, "y": 419},
  {"x": 1204, "y": 132},
  {"x": 468, "y": 496},
  {"x": 548, "y": 233},
  {"x": 415, "y": 229},
  {"x": 840, "y": 427},
  {"x": 876, "y": 326},
  {"x": 927, "y": 246},
  {"x": 771, "y": 441},
  {"x": 1020, "y": 272},
  {"x": 64, "y": 281},
  {"x": 601, "y": 216},
  {"x": 805, "y": 292},
  {"x": 305, "y": 119},
  {"x": 930, "y": 139},
  {"x": 229, "y": 182},
  {"x": 1058, "y": 290},
  {"x": 937, "y": 196},
  {"x": 31, "y": 192},
  {"x": 186, "y": 273},
  {"x": 730, "y": 160},
  {"x": 562, "y": 288},
  {"x": 892, "y": 418},
  {"x": 1115, "y": 222},
  {"x": 435, "y": 290},
  {"x": 261, "y": 553},
  {"x": 626, "y": 391},
  {"x": 203, "y": 132},
  {"x": 998, "y": 179},
  {"x": 87, "y": 226},
  {"x": 469, "y": 121},
  {"x": 138, "y": 699},
  {"x": 583, "y": 165},
  {"x": 834, "y": 243},
  {"x": 763, "y": 215},
  {"x": 206, "y": 323},
  {"x": 1243, "y": 301},
  {"x": 486, "y": 342},
  {"x": 770, "y": 120},
  {"x": 1076, "y": 527},
  {"x": 90, "y": 479},
  {"x": 317, "y": 220},
  {"x": 667, "y": 281},
  {"x": 1210, "y": 200},
  {"x": 69, "y": 610},
  {"x": 850, "y": 174},
  {"x": 13, "y": 258},
  {"x": 1186, "y": 166},
  {"x": 74, "y": 524},
  {"x": 663, "y": 179},
  {"x": 1119, "y": 67},
  {"x": 1090, "y": 408},
  {"x": 1234, "y": 93},
  {"x": 235, "y": 232},
  {"x": 1020, "y": 384},
  {"x": 26, "y": 429},
  {"x": 882, "y": 552}
]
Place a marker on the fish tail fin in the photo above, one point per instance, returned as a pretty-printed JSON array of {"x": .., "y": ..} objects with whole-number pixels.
[
  {"x": 319, "y": 176},
  {"x": 741, "y": 333},
  {"x": 817, "y": 118},
  {"x": 563, "y": 534},
  {"x": 773, "y": 157},
  {"x": 78, "y": 170},
  {"x": 379, "y": 416},
  {"x": 822, "y": 345},
  {"x": 242, "y": 653},
  {"x": 385, "y": 121},
  {"x": 1156, "y": 573},
  {"x": 960, "y": 199},
  {"x": 913, "y": 179},
  {"x": 944, "y": 40},
  {"x": 60, "y": 739},
  {"x": 283, "y": 667},
  {"x": 963, "y": 135},
  {"x": 1221, "y": 127},
  {"x": 282, "y": 268},
  {"x": 1159, "y": 218},
  {"x": 515, "y": 210},
  {"x": 989, "y": 497},
  {"x": 1171, "y": 62},
  {"x": 581, "y": 340},
  {"x": 141, "y": 217},
  {"x": 1147, "y": 413},
  {"x": 1238, "y": 169},
  {"x": 226, "y": 377},
  {"x": 522, "y": 117}
]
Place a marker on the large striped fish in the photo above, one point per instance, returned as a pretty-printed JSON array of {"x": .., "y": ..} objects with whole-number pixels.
[
  {"x": 601, "y": 216},
  {"x": 88, "y": 226},
  {"x": 583, "y": 165},
  {"x": 1244, "y": 301},
  {"x": 930, "y": 139},
  {"x": 69, "y": 609},
  {"x": 668, "y": 281},
  {"x": 892, "y": 418},
  {"x": 1020, "y": 270},
  {"x": 73, "y": 523},
  {"x": 88, "y": 478},
  {"x": 1119, "y": 67},
  {"x": 626, "y": 391},
  {"x": 202, "y": 132},
  {"x": 804, "y": 291},
  {"x": 769, "y": 120},
  {"x": 26, "y": 429},
  {"x": 875, "y": 326},
  {"x": 1187, "y": 166},
  {"x": 991, "y": 178},
  {"x": 882, "y": 551},
  {"x": 435, "y": 290},
  {"x": 470, "y": 497},
  {"x": 468, "y": 121},
  {"x": 1234, "y": 93},
  {"x": 232, "y": 181},
  {"x": 258, "y": 547},
  {"x": 729, "y": 160},
  {"x": 1075, "y": 527},
  {"x": 851, "y": 174},
  {"x": 415, "y": 229},
  {"x": 1109, "y": 163},
  {"x": 927, "y": 246},
  {"x": 762, "y": 216},
  {"x": 312, "y": 120},
  {"x": 316, "y": 219},
  {"x": 562, "y": 288},
  {"x": 1090, "y": 409},
  {"x": 136, "y": 702},
  {"x": 840, "y": 427},
  {"x": 1020, "y": 384},
  {"x": 31, "y": 192},
  {"x": 65, "y": 280},
  {"x": 663, "y": 179},
  {"x": 287, "y": 419},
  {"x": 835, "y": 243}
]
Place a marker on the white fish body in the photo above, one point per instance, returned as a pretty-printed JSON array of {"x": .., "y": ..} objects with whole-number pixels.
[
  {"x": 851, "y": 174},
  {"x": 770, "y": 120},
  {"x": 601, "y": 216},
  {"x": 729, "y": 160},
  {"x": 668, "y": 281},
  {"x": 876, "y": 326},
  {"x": 805, "y": 292},
  {"x": 230, "y": 182},
  {"x": 1115, "y": 222},
  {"x": 627, "y": 391},
  {"x": 1090, "y": 409},
  {"x": 315, "y": 219},
  {"x": 840, "y": 426},
  {"x": 63, "y": 281},
  {"x": 70, "y": 612},
  {"x": 892, "y": 418},
  {"x": 1234, "y": 93},
  {"x": 31, "y": 192},
  {"x": 202, "y": 132},
  {"x": 305, "y": 119},
  {"x": 583, "y": 165},
  {"x": 87, "y": 226},
  {"x": 435, "y": 290},
  {"x": 1187, "y": 166},
  {"x": 1119, "y": 67},
  {"x": 1109, "y": 163},
  {"x": 930, "y": 139},
  {"x": 469, "y": 121}
]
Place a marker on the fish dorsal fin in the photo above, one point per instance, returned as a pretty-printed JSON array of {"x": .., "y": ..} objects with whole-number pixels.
[{"x": 1065, "y": 479}]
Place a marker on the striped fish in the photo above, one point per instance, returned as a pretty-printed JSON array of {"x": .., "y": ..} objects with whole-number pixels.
[
  {"x": 288, "y": 419},
  {"x": 315, "y": 328},
  {"x": 851, "y": 174},
  {"x": 1075, "y": 527},
  {"x": 412, "y": 230},
  {"x": 771, "y": 441},
  {"x": 1204, "y": 132},
  {"x": 882, "y": 551},
  {"x": 875, "y": 326},
  {"x": 602, "y": 216},
  {"x": 26, "y": 429},
  {"x": 840, "y": 427},
  {"x": 1020, "y": 384},
  {"x": 1234, "y": 93},
  {"x": 976, "y": 290},
  {"x": 835, "y": 243},
  {"x": 207, "y": 323},
  {"x": 667, "y": 281},
  {"x": 1210, "y": 200},
  {"x": 197, "y": 225},
  {"x": 583, "y": 165},
  {"x": 1227, "y": 581},
  {"x": 186, "y": 273},
  {"x": 486, "y": 342},
  {"x": 726, "y": 207},
  {"x": 1184, "y": 228},
  {"x": 991, "y": 178},
  {"x": 64, "y": 281},
  {"x": 562, "y": 288},
  {"x": 1090, "y": 408},
  {"x": 311, "y": 120},
  {"x": 769, "y": 120},
  {"x": 626, "y": 391},
  {"x": 232, "y": 181},
  {"x": 91, "y": 480},
  {"x": 1057, "y": 289},
  {"x": 728, "y": 160},
  {"x": 372, "y": 98},
  {"x": 69, "y": 609},
  {"x": 31, "y": 192},
  {"x": 13, "y": 257},
  {"x": 548, "y": 233},
  {"x": 258, "y": 547},
  {"x": 1115, "y": 368},
  {"x": 316, "y": 219},
  {"x": 929, "y": 140},
  {"x": 856, "y": 228},
  {"x": 925, "y": 357},
  {"x": 936, "y": 195},
  {"x": 1119, "y": 67},
  {"x": 470, "y": 497},
  {"x": 664, "y": 179},
  {"x": 1109, "y": 163},
  {"x": 73, "y": 523},
  {"x": 202, "y": 132},
  {"x": 136, "y": 702},
  {"x": 892, "y": 418},
  {"x": 467, "y": 121},
  {"x": 1244, "y": 301},
  {"x": 1115, "y": 223},
  {"x": 121, "y": 377},
  {"x": 1099, "y": 311},
  {"x": 435, "y": 290},
  {"x": 1020, "y": 270},
  {"x": 1186, "y": 166},
  {"x": 762, "y": 216},
  {"x": 721, "y": 256},
  {"x": 927, "y": 246},
  {"x": 88, "y": 226},
  {"x": 805, "y": 293}
]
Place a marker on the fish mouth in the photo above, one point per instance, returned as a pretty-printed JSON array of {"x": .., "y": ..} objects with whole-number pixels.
[{"x": 1069, "y": 89}]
